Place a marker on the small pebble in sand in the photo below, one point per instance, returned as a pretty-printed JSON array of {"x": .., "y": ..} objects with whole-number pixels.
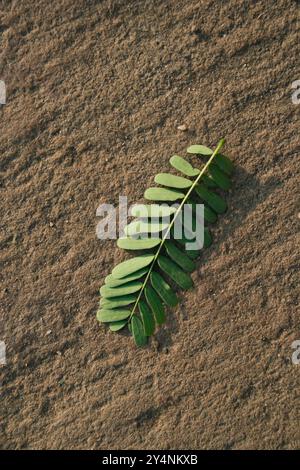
[
  {"x": 182, "y": 127},
  {"x": 51, "y": 224}
]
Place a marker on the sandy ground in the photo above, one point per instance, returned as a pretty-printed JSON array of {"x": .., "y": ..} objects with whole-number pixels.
[{"x": 95, "y": 92}]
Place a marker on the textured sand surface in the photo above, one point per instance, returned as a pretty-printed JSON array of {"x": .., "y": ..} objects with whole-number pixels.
[{"x": 95, "y": 92}]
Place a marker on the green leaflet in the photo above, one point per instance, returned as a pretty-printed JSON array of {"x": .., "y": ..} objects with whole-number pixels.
[
  {"x": 220, "y": 178},
  {"x": 209, "y": 215},
  {"x": 115, "y": 302},
  {"x": 140, "y": 244},
  {"x": 107, "y": 315},
  {"x": 152, "y": 210},
  {"x": 208, "y": 181},
  {"x": 117, "y": 325},
  {"x": 110, "y": 281},
  {"x": 137, "y": 330},
  {"x": 161, "y": 194},
  {"x": 190, "y": 238},
  {"x": 174, "y": 272},
  {"x": 213, "y": 200},
  {"x": 183, "y": 241},
  {"x": 187, "y": 237},
  {"x": 193, "y": 254},
  {"x": 155, "y": 304},
  {"x": 207, "y": 238},
  {"x": 131, "y": 265},
  {"x": 163, "y": 289},
  {"x": 172, "y": 181},
  {"x": 202, "y": 149},
  {"x": 191, "y": 219},
  {"x": 183, "y": 166},
  {"x": 138, "y": 227},
  {"x": 126, "y": 289},
  {"x": 179, "y": 257},
  {"x": 147, "y": 318},
  {"x": 224, "y": 163}
]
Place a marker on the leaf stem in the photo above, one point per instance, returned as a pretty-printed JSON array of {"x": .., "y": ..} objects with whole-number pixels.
[{"x": 220, "y": 144}]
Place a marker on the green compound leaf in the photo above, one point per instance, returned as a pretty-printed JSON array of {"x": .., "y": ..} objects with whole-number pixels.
[
  {"x": 163, "y": 289},
  {"x": 140, "y": 244},
  {"x": 172, "y": 181},
  {"x": 161, "y": 194},
  {"x": 147, "y": 318},
  {"x": 135, "y": 294},
  {"x": 137, "y": 330},
  {"x": 107, "y": 315},
  {"x": 131, "y": 265},
  {"x": 183, "y": 166}
]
